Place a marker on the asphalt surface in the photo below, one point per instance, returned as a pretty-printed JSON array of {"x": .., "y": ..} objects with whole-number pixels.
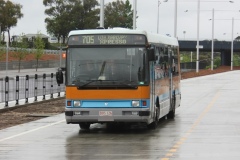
[{"x": 206, "y": 127}]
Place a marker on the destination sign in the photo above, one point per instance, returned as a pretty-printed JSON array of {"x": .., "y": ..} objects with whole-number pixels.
[{"x": 109, "y": 39}]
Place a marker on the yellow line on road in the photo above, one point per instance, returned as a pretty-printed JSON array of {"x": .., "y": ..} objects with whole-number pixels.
[{"x": 178, "y": 144}]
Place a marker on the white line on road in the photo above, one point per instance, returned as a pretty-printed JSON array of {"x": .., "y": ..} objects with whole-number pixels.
[{"x": 30, "y": 131}]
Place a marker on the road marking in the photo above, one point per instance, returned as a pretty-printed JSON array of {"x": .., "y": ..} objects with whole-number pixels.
[
  {"x": 30, "y": 131},
  {"x": 178, "y": 144}
]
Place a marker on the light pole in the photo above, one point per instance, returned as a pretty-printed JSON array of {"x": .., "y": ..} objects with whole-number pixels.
[
  {"x": 7, "y": 45},
  {"x": 232, "y": 38},
  {"x": 184, "y": 32},
  {"x": 212, "y": 39},
  {"x": 175, "y": 20},
  {"x": 197, "y": 61},
  {"x": 158, "y": 15},
  {"x": 232, "y": 44},
  {"x": 60, "y": 54},
  {"x": 102, "y": 13},
  {"x": 212, "y": 52},
  {"x": 134, "y": 13},
  {"x": 198, "y": 15}
]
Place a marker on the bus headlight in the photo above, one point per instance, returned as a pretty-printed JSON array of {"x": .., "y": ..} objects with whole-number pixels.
[
  {"x": 135, "y": 103},
  {"x": 76, "y": 103}
]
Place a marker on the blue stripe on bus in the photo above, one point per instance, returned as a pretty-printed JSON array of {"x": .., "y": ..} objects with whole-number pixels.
[{"x": 109, "y": 104}]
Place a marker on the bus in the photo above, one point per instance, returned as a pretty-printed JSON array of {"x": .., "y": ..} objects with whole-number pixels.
[{"x": 120, "y": 76}]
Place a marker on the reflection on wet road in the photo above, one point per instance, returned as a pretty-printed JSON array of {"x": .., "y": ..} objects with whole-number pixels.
[{"x": 206, "y": 127}]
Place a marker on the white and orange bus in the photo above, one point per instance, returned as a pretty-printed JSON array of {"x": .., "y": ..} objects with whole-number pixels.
[{"x": 121, "y": 76}]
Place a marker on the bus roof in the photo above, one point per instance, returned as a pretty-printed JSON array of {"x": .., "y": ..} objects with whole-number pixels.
[{"x": 152, "y": 38}]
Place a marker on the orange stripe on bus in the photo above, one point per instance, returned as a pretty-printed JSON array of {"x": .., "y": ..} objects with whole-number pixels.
[{"x": 143, "y": 92}]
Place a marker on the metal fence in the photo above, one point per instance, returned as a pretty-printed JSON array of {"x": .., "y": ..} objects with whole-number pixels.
[{"x": 29, "y": 86}]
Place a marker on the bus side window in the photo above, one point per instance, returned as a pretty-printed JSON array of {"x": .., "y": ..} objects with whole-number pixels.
[{"x": 157, "y": 55}]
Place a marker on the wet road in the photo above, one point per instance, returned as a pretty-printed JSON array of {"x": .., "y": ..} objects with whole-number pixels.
[{"x": 207, "y": 126}]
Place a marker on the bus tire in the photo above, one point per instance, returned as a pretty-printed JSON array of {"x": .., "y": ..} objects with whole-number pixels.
[
  {"x": 154, "y": 124},
  {"x": 84, "y": 125},
  {"x": 171, "y": 114}
]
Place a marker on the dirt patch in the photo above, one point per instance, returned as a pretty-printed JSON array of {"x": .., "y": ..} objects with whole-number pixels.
[
  {"x": 27, "y": 113},
  {"x": 23, "y": 114},
  {"x": 205, "y": 72}
]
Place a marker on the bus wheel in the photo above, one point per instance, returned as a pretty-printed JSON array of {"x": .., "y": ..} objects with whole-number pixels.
[
  {"x": 84, "y": 125},
  {"x": 171, "y": 114},
  {"x": 154, "y": 124}
]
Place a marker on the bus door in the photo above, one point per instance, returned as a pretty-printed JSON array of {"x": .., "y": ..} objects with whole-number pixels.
[
  {"x": 171, "y": 63},
  {"x": 152, "y": 85}
]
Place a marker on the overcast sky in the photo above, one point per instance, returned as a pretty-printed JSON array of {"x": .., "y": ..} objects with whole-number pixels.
[{"x": 147, "y": 12}]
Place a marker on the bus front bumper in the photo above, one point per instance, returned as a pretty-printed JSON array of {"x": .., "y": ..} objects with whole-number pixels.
[{"x": 107, "y": 115}]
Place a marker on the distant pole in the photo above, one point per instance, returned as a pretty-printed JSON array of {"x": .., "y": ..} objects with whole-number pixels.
[
  {"x": 191, "y": 56},
  {"x": 134, "y": 13},
  {"x": 7, "y": 58},
  {"x": 102, "y": 14},
  {"x": 212, "y": 39},
  {"x": 0, "y": 33},
  {"x": 232, "y": 44},
  {"x": 158, "y": 16},
  {"x": 198, "y": 15},
  {"x": 60, "y": 54},
  {"x": 175, "y": 20}
]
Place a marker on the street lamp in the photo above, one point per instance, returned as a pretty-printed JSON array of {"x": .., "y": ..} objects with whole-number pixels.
[
  {"x": 198, "y": 11},
  {"x": 158, "y": 15},
  {"x": 232, "y": 39},
  {"x": 175, "y": 18},
  {"x": 102, "y": 13},
  {"x": 134, "y": 13},
  {"x": 184, "y": 32},
  {"x": 7, "y": 49}
]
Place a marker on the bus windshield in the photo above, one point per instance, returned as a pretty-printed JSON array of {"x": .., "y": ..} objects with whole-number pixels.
[{"x": 106, "y": 67}]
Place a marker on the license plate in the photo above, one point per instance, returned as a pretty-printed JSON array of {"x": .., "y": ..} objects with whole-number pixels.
[
  {"x": 105, "y": 113},
  {"x": 77, "y": 113}
]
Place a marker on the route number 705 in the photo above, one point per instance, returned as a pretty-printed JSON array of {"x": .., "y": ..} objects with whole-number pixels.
[{"x": 88, "y": 39}]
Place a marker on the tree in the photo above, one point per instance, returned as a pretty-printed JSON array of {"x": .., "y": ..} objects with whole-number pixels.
[
  {"x": 39, "y": 48},
  {"x": 21, "y": 51},
  {"x": 237, "y": 38},
  {"x": 65, "y": 16},
  {"x": 119, "y": 14},
  {"x": 9, "y": 15}
]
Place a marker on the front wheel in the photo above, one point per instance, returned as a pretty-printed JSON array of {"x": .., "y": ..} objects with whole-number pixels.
[
  {"x": 171, "y": 114},
  {"x": 154, "y": 124},
  {"x": 84, "y": 125}
]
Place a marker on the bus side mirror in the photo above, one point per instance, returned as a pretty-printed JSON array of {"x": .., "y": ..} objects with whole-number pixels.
[
  {"x": 151, "y": 54},
  {"x": 59, "y": 76}
]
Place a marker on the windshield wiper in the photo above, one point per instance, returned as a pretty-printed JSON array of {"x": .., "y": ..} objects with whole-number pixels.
[
  {"x": 91, "y": 81},
  {"x": 126, "y": 83}
]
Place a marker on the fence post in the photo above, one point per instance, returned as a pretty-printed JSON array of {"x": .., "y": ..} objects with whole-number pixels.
[
  {"x": 35, "y": 87},
  {"x": 51, "y": 85},
  {"x": 26, "y": 88},
  {"x": 17, "y": 90},
  {"x": 6, "y": 91},
  {"x": 44, "y": 85}
]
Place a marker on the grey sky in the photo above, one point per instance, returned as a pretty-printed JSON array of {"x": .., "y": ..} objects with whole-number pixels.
[{"x": 33, "y": 20}]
